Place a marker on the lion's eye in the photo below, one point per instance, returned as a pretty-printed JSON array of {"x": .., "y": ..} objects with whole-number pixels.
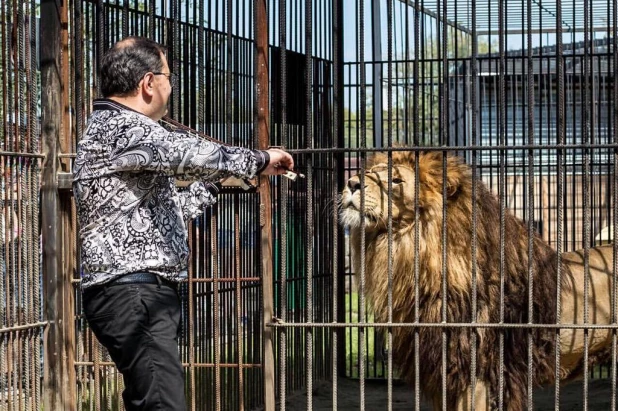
[{"x": 397, "y": 181}]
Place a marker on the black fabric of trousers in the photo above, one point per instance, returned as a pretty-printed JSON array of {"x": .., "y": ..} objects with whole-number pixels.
[{"x": 139, "y": 326}]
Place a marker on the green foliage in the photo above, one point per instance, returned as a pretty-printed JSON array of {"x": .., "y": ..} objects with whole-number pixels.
[{"x": 374, "y": 366}]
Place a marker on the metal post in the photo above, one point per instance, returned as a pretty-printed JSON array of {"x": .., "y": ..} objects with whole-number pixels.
[
  {"x": 340, "y": 175},
  {"x": 56, "y": 392},
  {"x": 263, "y": 134}
]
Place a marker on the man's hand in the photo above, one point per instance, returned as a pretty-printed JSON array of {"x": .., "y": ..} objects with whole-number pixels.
[{"x": 280, "y": 162}]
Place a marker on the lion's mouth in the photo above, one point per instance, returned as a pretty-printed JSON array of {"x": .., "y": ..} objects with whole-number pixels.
[{"x": 352, "y": 216}]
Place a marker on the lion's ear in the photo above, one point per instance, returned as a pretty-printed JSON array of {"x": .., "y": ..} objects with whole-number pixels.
[
  {"x": 455, "y": 175},
  {"x": 452, "y": 186}
]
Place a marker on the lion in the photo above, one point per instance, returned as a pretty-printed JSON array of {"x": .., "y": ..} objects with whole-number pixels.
[{"x": 455, "y": 192}]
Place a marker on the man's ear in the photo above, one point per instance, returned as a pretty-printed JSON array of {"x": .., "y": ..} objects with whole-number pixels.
[{"x": 145, "y": 85}]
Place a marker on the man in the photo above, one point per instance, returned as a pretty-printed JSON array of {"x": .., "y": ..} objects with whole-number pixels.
[{"x": 132, "y": 218}]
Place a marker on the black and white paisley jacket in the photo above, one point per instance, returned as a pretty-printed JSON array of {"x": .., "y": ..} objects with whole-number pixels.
[{"x": 131, "y": 215}]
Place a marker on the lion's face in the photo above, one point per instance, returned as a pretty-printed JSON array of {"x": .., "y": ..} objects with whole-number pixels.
[{"x": 377, "y": 199}]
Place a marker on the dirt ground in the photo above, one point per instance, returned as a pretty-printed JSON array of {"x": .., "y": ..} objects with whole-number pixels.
[{"x": 348, "y": 397}]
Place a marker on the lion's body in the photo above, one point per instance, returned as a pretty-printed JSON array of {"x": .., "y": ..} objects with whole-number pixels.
[{"x": 496, "y": 301}]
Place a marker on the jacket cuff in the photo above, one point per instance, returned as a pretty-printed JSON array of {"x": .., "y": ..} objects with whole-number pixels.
[
  {"x": 263, "y": 158},
  {"x": 213, "y": 188}
]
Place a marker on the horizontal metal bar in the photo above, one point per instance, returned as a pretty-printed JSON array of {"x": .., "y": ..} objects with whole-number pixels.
[
  {"x": 184, "y": 364},
  {"x": 24, "y": 327},
  {"x": 455, "y": 148},
  {"x": 445, "y": 325},
  {"x": 65, "y": 182},
  {"x": 435, "y": 15},
  {"x": 20, "y": 154},
  {"x": 451, "y": 148},
  {"x": 77, "y": 281},
  {"x": 543, "y": 31}
]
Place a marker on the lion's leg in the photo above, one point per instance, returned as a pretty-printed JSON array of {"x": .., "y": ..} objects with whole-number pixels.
[{"x": 482, "y": 400}]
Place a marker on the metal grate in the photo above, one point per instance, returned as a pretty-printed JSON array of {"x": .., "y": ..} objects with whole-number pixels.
[
  {"x": 21, "y": 321},
  {"x": 542, "y": 16},
  {"x": 211, "y": 47}
]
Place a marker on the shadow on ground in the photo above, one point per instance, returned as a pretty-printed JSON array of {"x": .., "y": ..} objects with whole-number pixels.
[{"x": 571, "y": 397}]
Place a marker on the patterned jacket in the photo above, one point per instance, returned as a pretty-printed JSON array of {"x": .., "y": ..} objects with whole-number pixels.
[{"x": 131, "y": 215}]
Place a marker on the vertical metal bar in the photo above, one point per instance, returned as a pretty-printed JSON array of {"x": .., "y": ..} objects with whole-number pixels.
[
  {"x": 17, "y": 119},
  {"x": 614, "y": 199},
  {"x": 587, "y": 139},
  {"x": 416, "y": 118},
  {"x": 560, "y": 131},
  {"x": 309, "y": 216},
  {"x": 201, "y": 47},
  {"x": 339, "y": 245},
  {"x": 284, "y": 210},
  {"x": 151, "y": 19},
  {"x": 216, "y": 309},
  {"x": 229, "y": 67},
  {"x": 100, "y": 13},
  {"x": 4, "y": 95},
  {"x": 474, "y": 239},
  {"x": 191, "y": 285},
  {"x": 125, "y": 18},
  {"x": 380, "y": 334},
  {"x": 363, "y": 164},
  {"x": 238, "y": 303},
  {"x": 501, "y": 186},
  {"x": 376, "y": 36},
  {"x": 262, "y": 127},
  {"x": 171, "y": 36},
  {"x": 34, "y": 133},
  {"x": 443, "y": 127},
  {"x": 530, "y": 200},
  {"x": 56, "y": 373}
]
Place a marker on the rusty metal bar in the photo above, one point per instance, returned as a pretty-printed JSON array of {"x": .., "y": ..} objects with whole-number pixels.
[
  {"x": 283, "y": 272},
  {"x": 191, "y": 295},
  {"x": 421, "y": 325},
  {"x": 65, "y": 217},
  {"x": 262, "y": 129},
  {"x": 217, "y": 307},
  {"x": 238, "y": 303},
  {"x": 184, "y": 364},
  {"x": 20, "y": 155},
  {"x": 56, "y": 376},
  {"x": 40, "y": 324},
  {"x": 208, "y": 280}
]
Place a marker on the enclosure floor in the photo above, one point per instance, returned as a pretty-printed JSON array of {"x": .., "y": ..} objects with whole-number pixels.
[{"x": 348, "y": 397}]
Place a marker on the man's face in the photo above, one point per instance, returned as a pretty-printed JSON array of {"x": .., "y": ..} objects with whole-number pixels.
[{"x": 162, "y": 89}]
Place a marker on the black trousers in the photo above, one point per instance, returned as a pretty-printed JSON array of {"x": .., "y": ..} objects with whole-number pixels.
[{"x": 139, "y": 326}]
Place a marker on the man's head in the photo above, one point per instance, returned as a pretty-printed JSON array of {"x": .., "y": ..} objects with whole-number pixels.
[{"x": 135, "y": 72}]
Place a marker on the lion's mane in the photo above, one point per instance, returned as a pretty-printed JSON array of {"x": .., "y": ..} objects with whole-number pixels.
[{"x": 492, "y": 306}]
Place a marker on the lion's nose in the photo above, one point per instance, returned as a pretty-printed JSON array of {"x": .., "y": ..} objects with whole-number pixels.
[{"x": 354, "y": 185}]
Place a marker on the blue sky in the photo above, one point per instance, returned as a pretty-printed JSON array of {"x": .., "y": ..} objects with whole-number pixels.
[{"x": 513, "y": 41}]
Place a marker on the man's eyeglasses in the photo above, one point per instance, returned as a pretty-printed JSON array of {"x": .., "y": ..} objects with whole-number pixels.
[{"x": 170, "y": 76}]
